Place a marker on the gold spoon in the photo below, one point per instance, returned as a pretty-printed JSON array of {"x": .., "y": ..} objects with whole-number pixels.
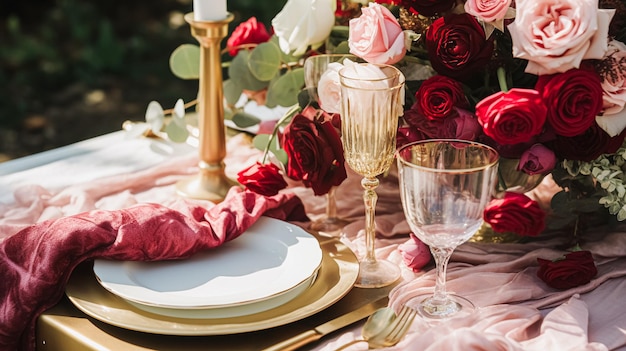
[{"x": 375, "y": 324}]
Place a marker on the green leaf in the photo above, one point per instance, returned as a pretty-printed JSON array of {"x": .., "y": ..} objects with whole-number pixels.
[
  {"x": 232, "y": 92},
  {"x": 239, "y": 73},
  {"x": 281, "y": 156},
  {"x": 244, "y": 120},
  {"x": 284, "y": 90},
  {"x": 177, "y": 130},
  {"x": 260, "y": 141},
  {"x": 155, "y": 116},
  {"x": 264, "y": 61},
  {"x": 185, "y": 61},
  {"x": 342, "y": 48}
]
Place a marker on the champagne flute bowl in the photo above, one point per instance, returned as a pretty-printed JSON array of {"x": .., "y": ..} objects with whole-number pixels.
[{"x": 445, "y": 186}]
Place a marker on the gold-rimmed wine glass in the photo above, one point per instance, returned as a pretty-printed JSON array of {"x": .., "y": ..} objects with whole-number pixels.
[
  {"x": 371, "y": 102},
  {"x": 445, "y": 186}
]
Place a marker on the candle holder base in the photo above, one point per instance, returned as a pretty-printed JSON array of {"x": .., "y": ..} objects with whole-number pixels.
[{"x": 209, "y": 184}]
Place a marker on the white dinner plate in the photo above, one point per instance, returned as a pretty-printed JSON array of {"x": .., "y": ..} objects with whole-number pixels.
[
  {"x": 229, "y": 311},
  {"x": 269, "y": 260},
  {"x": 336, "y": 277}
]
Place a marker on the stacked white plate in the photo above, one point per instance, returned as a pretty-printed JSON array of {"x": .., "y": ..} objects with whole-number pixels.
[{"x": 267, "y": 266}]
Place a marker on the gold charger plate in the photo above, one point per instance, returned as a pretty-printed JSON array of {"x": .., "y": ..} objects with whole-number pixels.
[{"x": 336, "y": 277}]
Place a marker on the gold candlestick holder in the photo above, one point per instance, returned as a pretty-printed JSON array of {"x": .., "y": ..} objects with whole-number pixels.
[{"x": 211, "y": 183}]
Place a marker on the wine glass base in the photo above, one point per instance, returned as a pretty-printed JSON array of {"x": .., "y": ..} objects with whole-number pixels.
[
  {"x": 377, "y": 274},
  {"x": 329, "y": 225},
  {"x": 454, "y": 307}
]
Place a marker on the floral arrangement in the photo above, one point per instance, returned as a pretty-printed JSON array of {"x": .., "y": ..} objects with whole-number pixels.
[{"x": 542, "y": 81}]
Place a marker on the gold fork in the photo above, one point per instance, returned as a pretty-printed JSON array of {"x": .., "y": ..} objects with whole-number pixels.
[{"x": 391, "y": 334}]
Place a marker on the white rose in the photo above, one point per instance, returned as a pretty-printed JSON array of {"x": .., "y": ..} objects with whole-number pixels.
[
  {"x": 329, "y": 88},
  {"x": 366, "y": 79},
  {"x": 304, "y": 23}
]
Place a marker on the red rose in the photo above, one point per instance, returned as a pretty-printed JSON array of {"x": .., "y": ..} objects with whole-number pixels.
[
  {"x": 428, "y": 8},
  {"x": 264, "y": 179},
  {"x": 438, "y": 96},
  {"x": 407, "y": 135},
  {"x": 315, "y": 153},
  {"x": 583, "y": 147},
  {"x": 515, "y": 213},
  {"x": 248, "y": 32},
  {"x": 513, "y": 117},
  {"x": 538, "y": 159},
  {"x": 457, "y": 46},
  {"x": 576, "y": 268},
  {"x": 573, "y": 98},
  {"x": 466, "y": 126}
]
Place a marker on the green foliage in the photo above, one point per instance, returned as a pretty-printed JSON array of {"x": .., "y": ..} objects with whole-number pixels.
[
  {"x": 264, "y": 61},
  {"x": 284, "y": 90},
  {"x": 185, "y": 61},
  {"x": 241, "y": 76}
]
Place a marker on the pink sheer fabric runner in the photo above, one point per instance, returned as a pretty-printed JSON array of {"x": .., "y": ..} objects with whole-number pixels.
[{"x": 518, "y": 311}]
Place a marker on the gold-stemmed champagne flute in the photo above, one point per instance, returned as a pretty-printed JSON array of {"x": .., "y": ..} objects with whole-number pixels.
[
  {"x": 314, "y": 68},
  {"x": 445, "y": 186},
  {"x": 371, "y": 102}
]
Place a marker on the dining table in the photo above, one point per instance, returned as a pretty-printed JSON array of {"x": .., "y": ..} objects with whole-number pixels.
[{"x": 515, "y": 309}]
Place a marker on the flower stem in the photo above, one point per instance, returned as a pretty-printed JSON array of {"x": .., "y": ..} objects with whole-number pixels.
[
  {"x": 283, "y": 120},
  {"x": 502, "y": 79}
]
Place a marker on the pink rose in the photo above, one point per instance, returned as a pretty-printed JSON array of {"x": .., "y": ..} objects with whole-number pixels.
[
  {"x": 512, "y": 117},
  {"x": 556, "y": 35},
  {"x": 488, "y": 10},
  {"x": 376, "y": 36},
  {"x": 415, "y": 253},
  {"x": 613, "y": 116},
  {"x": 538, "y": 159}
]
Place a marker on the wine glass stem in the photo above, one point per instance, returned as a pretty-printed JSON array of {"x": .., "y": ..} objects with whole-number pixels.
[
  {"x": 331, "y": 204},
  {"x": 442, "y": 256},
  {"x": 369, "y": 198}
]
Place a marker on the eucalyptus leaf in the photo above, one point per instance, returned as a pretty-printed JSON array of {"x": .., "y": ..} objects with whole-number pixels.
[
  {"x": 281, "y": 156},
  {"x": 342, "y": 48},
  {"x": 239, "y": 73},
  {"x": 260, "y": 141},
  {"x": 176, "y": 132},
  {"x": 232, "y": 92},
  {"x": 179, "y": 109},
  {"x": 284, "y": 90},
  {"x": 245, "y": 120},
  {"x": 185, "y": 61},
  {"x": 264, "y": 61},
  {"x": 155, "y": 116}
]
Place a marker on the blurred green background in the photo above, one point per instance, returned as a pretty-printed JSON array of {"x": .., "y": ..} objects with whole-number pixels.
[{"x": 72, "y": 69}]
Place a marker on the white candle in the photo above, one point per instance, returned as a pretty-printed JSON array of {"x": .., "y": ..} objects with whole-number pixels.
[{"x": 209, "y": 10}]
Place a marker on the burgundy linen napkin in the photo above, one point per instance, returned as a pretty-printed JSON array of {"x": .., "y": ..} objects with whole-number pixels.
[{"x": 36, "y": 262}]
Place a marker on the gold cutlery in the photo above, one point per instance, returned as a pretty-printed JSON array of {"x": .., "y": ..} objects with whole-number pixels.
[
  {"x": 384, "y": 328},
  {"x": 318, "y": 332}
]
